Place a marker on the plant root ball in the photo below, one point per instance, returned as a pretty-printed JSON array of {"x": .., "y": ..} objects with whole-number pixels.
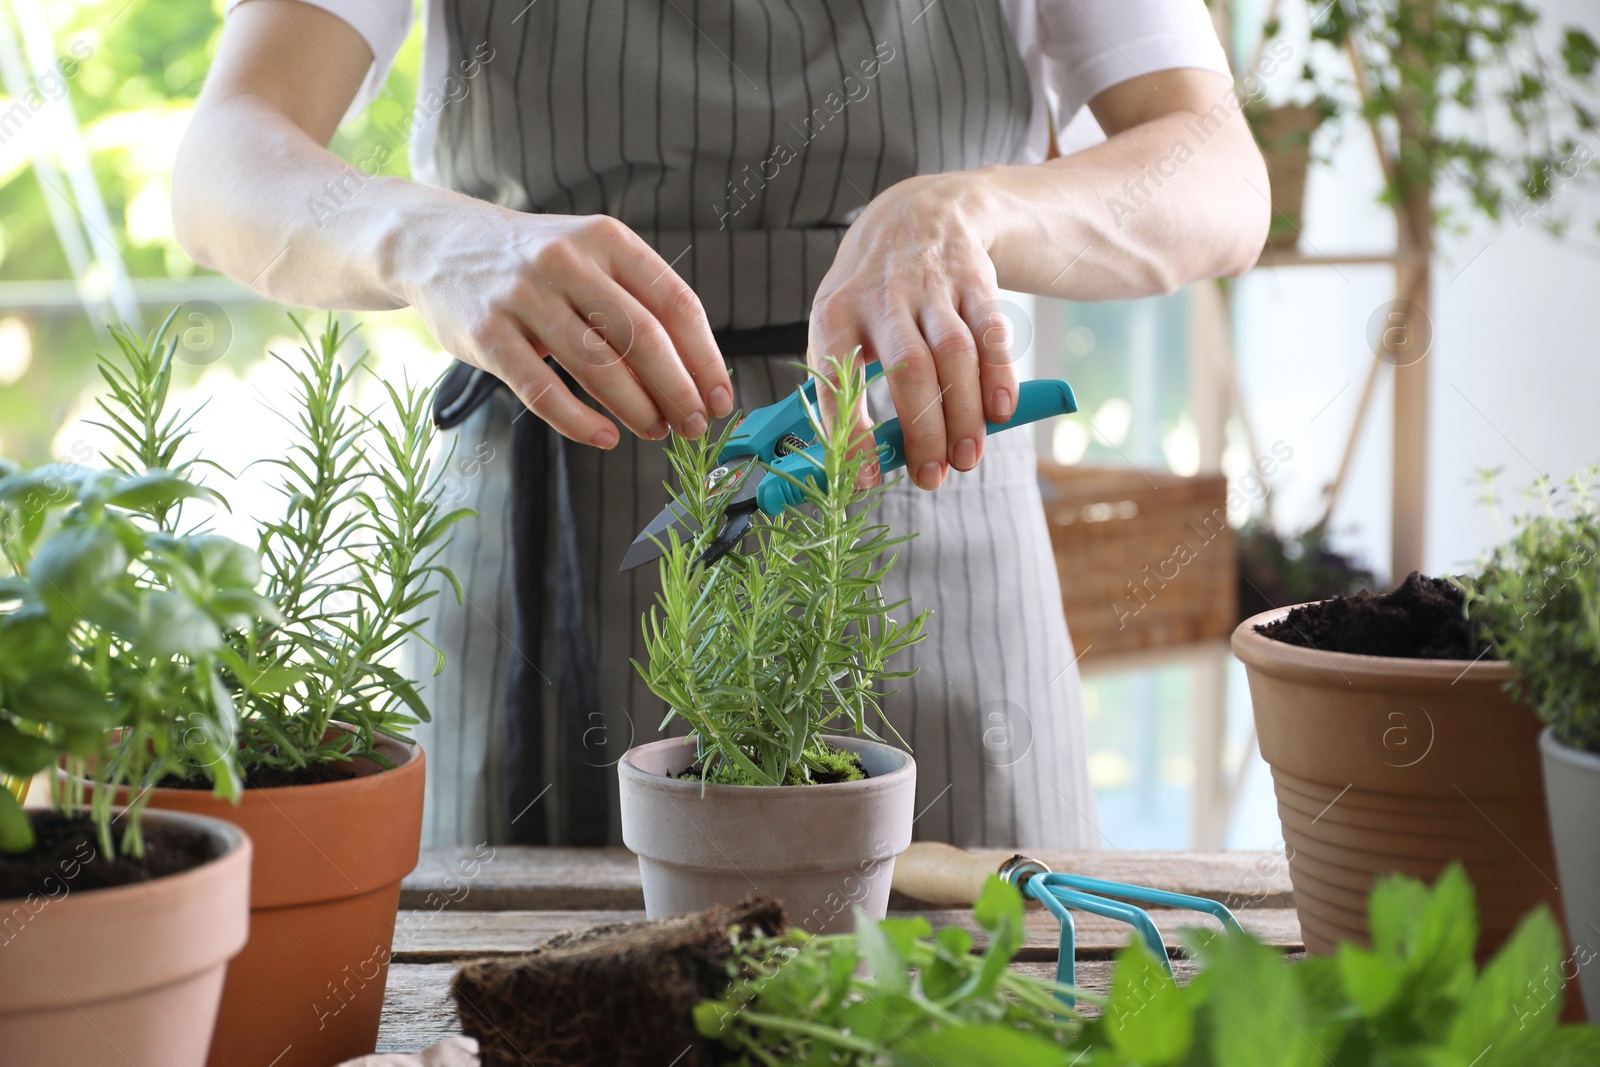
[{"x": 613, "y": 994}]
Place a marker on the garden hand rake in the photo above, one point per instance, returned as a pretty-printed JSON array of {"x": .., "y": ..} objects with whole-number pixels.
[{"x": 943, "y": 875}]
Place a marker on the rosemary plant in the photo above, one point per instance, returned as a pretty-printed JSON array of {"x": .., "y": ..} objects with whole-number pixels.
[
  {"x": 349, "y": 565},
  {"x": 771, "y": 647}
]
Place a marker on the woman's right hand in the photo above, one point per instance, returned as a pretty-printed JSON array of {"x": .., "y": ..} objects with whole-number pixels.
[{"x": 502, "y": 290}]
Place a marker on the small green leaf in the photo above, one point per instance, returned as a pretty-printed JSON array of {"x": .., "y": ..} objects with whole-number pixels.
[
  {"x": 23, "y": 755},
  {"x": 64, "y": 697},
  {"x": 73, "y": 566},
  {"x": 998, "y": 910},
  {"x": 170, "y": 623},
  {"x": 16, "y": 832},
  {"x": 887, "y": 965},
  {"x": 155, "y": 489},
  {"x": 1258, "y": 1014},
  {"x": 711, "y": 1018},
  {"x": 1514, "y": 1003},
  {"x": 1148, "y": 1019},
  {"x": 1369, "y": 979},
  {"x": 981, "y": 1046}
]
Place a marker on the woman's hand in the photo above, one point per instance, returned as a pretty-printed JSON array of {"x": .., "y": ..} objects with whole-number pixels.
[
  {"x": 914, "y": 286},
  {"x": 502, "y": 289}
]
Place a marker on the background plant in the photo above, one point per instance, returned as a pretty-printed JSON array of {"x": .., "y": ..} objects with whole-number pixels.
[
  {"x": 1468, "y": 96},
  {"x": 1537, "y": 599},
  {"x": 111, "y": 621},
  {"x": 764, "y": 651},
  {"x": 1415, "y": 997}
]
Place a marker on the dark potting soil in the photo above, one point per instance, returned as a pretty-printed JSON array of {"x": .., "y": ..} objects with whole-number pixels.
[
  {"x": 1423, "y": 619},
  {"x": 66, "y": 857},
  {"x": 271, "y": 777},
  {"x": 621, "y": 993}
]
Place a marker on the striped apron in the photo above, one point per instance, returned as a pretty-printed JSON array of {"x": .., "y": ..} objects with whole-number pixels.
[{"x": 739, "y": 138}]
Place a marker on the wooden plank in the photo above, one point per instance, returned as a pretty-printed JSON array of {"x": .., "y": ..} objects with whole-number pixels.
[
  {"x": 417, "y": 1009},
  {"x": 447, "y": 936},
  {"x": 523, "y": 878}
]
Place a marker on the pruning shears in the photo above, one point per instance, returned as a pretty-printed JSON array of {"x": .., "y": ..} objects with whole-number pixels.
[{"x": 772, "y": 455}]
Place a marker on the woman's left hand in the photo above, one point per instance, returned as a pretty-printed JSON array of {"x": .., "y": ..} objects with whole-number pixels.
[{"x": 914, "y": 286}]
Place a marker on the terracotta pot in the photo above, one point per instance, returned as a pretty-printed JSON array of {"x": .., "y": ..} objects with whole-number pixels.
[
  {"x": 307, "y": 990},
  {"x": 129, "y": 975},
  {"x": 1284, "y": 134},
  {"x": 821, "y": 849},
  {"x": 1572, "y": 790},
  {"x": 1398, "y": 765}
]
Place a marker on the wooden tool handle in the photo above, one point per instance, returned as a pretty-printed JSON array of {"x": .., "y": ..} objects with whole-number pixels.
[{"x": 941, "y": 874}]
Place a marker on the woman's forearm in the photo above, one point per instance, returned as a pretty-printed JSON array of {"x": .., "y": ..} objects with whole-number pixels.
[
  {"x": 256, "y": 198},
  {"x": 1170, "y": 201}
]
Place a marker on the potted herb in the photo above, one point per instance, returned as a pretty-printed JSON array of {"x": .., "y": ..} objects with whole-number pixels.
[
  {"x": 1537, "y": 598},
  {"x": 768, "y": 656},
  {"x": 116, "y": 924},
  {"x": 1467, "y": 103},
  {"x": 1394, "y": 747},
  {"x": 1284, "y": 133},
  {"x": 331, "y": 787}
]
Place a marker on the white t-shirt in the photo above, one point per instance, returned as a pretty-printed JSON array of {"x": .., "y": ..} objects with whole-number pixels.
[{"x": 1073, "y": 48}]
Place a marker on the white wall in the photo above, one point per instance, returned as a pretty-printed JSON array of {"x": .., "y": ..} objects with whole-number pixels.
[{"x": 1515, "y": 316}]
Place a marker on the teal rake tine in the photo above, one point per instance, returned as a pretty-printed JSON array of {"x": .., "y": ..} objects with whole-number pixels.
[
  {"x": 1067, "y": 949},
  {"x": 1159, "y": 897},
  {"x": 1058, "y": 892}
]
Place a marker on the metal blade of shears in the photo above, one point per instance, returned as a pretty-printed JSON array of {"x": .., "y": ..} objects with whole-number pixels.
[
  {"x": 647, "y": 546},
  {"x": 741, "y": 476}
]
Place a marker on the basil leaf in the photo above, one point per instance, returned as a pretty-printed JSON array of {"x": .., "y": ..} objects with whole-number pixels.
[
  {"x": 64, "y": 697},
  {"x": 16, "y": 832},
  {"x": 23, "y": 755}
]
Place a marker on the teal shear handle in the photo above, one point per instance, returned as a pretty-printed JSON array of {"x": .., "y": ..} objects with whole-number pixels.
[{"x": 1041, "y": 399}]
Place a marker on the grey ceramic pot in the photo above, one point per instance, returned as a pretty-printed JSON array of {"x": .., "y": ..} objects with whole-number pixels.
[
  {"x": 821, "y": 849},
  {"x": 1572, "y": 789}
]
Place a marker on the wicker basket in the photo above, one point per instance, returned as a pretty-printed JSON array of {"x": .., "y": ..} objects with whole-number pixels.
[{"x": 1146, "y": 558}]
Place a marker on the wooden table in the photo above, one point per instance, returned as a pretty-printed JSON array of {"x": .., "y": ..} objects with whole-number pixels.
[{"x": 467, "y": 903}]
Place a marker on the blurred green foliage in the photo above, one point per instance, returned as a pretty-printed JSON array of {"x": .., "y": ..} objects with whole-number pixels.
[{"x": 144, "y": 64}]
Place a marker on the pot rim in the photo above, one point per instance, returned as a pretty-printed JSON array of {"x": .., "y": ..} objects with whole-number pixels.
[
  {"x": 1555, "y": 748},
  {"x": 329, "y": 790},
  {"x": 227, "y": 838},
  {"x": 1281, "y": 658},
  {"x": 871, "y": 784}
]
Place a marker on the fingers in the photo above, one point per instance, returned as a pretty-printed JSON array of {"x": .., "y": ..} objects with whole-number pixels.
[
  {"x": 997, "y": 377},
  {"x": 955, "y": 358},
  {"x": 620, "y": 332},
  {"x": 584, "y": 346},
  {"x": 914, "y": 383},
  {"x": 674, "y": 307},
  {"x": 833, "y": 335},
  {"x": 513, "y": 359}
]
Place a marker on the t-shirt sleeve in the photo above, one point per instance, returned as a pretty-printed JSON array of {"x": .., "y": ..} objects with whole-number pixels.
[
  {"x": 1091, "y": 45},
  {"x": 383, "y": 24}
]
